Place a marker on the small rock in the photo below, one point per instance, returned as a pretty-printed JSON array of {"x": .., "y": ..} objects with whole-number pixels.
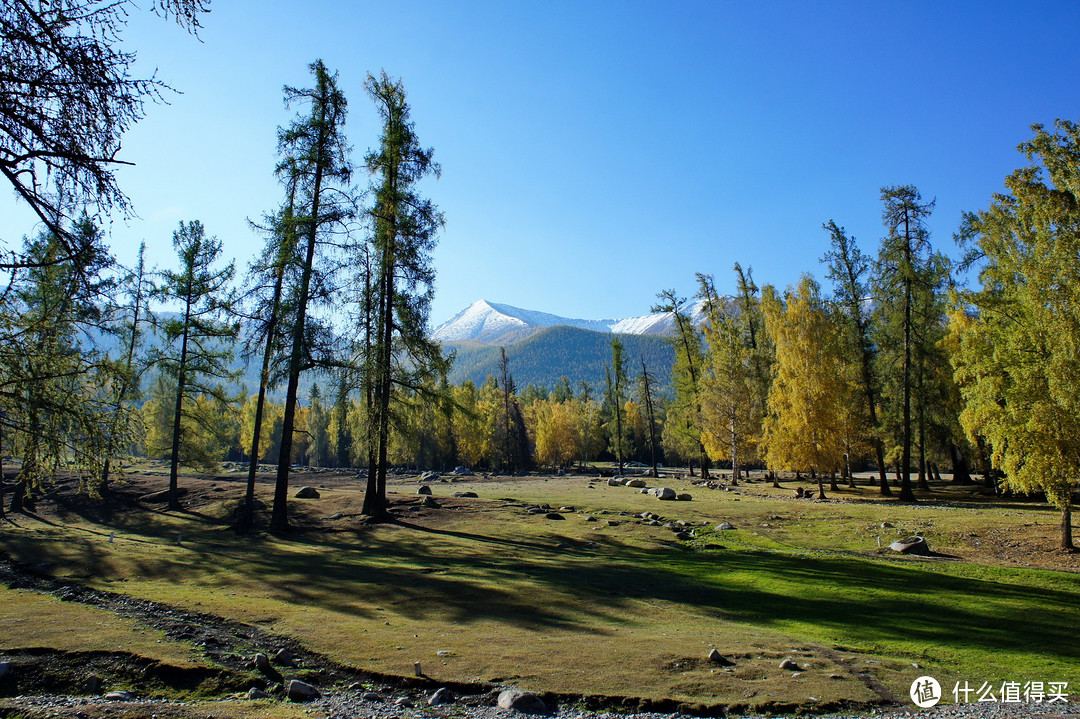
[
  {"x": 789, "y": 665},
  {"x": 307, "y": 493},
  {"x": 443, "y": 653},
  {"x": 423, "y": 489},
  {"x": 684, "y": 497},
  {"x": 262, "y": 663},
  {"x": 911, "y": 545},
  {"x": 724, "y": 526},
  {"x": 634, "y": 483},
  {"x": 663, "y": 493},
  {"x": 717, "y": 658},
  {"x": 442, "y": 695},
  {"x": 566, "y": 509},
  {"x": 886, "y": 525},
  {"x": 590, "y": 518},
  {"x": 403, "y": 702},
  {"x": 463, "y": 495},
  {"x": 118, "y": 696},
  {"x": 835, "y": 676},
  {"x": 429, "y": 477},
  {"x": 524, "y": 702},
  {"x": 612, "y": 523},
  {"x": 299, "y": 691},
  {"x": 283, "y": 658},
  {"x": 256, "y": 693},
  {"x": 614, "y": 482},
  {"x": 683, "y": 536},
  {"x": 372, "y": 697},
  {"x": 431, "y": 502},
  {"x": 554, "y": 515}
]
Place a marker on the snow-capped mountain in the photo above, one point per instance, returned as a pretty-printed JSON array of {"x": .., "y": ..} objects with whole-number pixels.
[{"x": 489, "y": 323}]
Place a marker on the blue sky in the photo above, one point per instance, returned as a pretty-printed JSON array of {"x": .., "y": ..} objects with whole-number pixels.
[{"x": 594, "y": 153}]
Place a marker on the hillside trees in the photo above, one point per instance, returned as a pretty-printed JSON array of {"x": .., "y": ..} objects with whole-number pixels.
[
  {"x": 1016, "y": 336},
  {"x": 404, "y": 226},
  {"x": 314, "y": 157},
  {"x": 198, "y": 345}
]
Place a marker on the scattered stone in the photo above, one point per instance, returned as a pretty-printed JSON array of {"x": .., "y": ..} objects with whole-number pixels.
[
  {"x": 684, "y": 497},
  {"x": 554, "y": 515},
  {"x": 524, "y": 702},
  {"x": 886, "y": 525},
  {"x": 644, "y": 490},
  {"x": 256, "y": 693},
  {"x": 464, "y": 495},
  {"x": 719, "y": 659},
  {"x": 372, "y": 697},
  {"x": 684, "y": 536},
  {"x": 423, "y": 489},
  {"x": 566, "y": 509},
  {"x": 299, "y": 691},
  {"x": 307, "y": 493},
  {"x": 443, "y": 653},
  {"x": 429, "y": 477},
  {"x": 612, "y": 523},
  {"x": 462, "y": 472},
  {"x": 663, "y": 493},
  {"x": 634, "y": 483},
  {"x": 442, "y": 695},
  {"x": 283, "y": 658},
  {"x": 789, "y": 665},
  {"x": 431, "y": 502},
  {"x": 911, "y": 545},
  {"x": 590, "y": 518},
  {"x": 835, "y": 676},
  {"x": 724, "y": 526},
  {"x": 262, "y": 663},
  {"x": 120, "y": 696},
  {"x": 403, "y": 702},
  {"x": 916, "y": 665},
  {"x": 614, "y": 482}
]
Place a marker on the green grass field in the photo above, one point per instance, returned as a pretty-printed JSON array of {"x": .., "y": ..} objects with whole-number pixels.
[{"x": 481, "y": 590}]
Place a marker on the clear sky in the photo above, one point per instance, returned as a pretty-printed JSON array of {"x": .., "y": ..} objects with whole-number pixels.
[{"x": 593, "y": 152}]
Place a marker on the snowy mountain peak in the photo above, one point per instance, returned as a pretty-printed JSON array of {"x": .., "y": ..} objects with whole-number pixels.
[{"x": 489, "y": 323}]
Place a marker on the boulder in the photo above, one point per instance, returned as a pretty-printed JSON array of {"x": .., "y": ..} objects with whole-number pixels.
[
  {"x": 299, "y": 691},
  {"x": 119, "y": 696},
  {"x": 911, "y": 545},
  {"x": 307, "y": 493},
  {"x": 789, "y": 665},
  {"x": 423, "y": 489},
  {"x": 283, "y": 658},
  {"x": 463, "y": 471},
  {"x": 634, "y": 483},
  {"x": 262, "y": 663},
  {"x": 524, "y": 702},
  {"x": 93, "y": 685},
  {"x": 429, "y": 477},
  {"x": 614, "y": 482},
  {"x": 590, "y": 518},
  {"x": 663, "y": 493},
  {"x": 442, "y": 695},
  {"x": 372, "y": 697},
  {"x": 464, "y": 495},
  {"x": 684, "y": 497},
  {"x": 256, "y": 693},
  {"x": 719, "y": 659},
  {"x": 431, "y": 503},
  {"x": 724, "y": 526},
  {"x": 554, "y": 515},
  {"x": 683, "y": 536}
]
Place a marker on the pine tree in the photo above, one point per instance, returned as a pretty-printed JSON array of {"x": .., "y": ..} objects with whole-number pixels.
[
  {"x": 405, "y": 226},
  {"x": 198, "y": 344}
]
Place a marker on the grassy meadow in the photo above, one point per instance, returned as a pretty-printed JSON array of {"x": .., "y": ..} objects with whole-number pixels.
[{"x": 597, "y": 603}]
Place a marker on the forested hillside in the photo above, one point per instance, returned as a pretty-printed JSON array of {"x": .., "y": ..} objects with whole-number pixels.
[{"x": 543, "y": 358}]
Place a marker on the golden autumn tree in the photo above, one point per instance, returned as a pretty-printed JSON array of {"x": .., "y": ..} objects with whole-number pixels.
[
  {"x": 804, "y": 429},
  {"x": 1015, "y": 341}
]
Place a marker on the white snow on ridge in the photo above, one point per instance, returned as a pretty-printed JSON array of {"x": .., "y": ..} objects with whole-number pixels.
[{"x": 484, "y": 321}]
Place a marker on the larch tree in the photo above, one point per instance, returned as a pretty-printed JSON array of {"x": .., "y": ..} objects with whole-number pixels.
[
  {"x": 1015, "y": 338},
  {"x": 902, "y": 261},
  {"x": 197, "y": 349},
  {"x": 850, "y": 270},
  {"x": 804, "y": 428},
  {"x": 646, "y": 385},
  {"x": 405, "y": 226},
  {"x": 683, "y": 430},
  {"x": 314, "y": 157}
]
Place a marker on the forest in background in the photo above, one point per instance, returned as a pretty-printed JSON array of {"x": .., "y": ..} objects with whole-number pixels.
[{"x": 897, "y": 367}]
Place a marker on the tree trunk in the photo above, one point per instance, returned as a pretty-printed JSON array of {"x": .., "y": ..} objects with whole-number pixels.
[
  {"x": 820, "y": 484},
  {"x": 1066, "y": 527},
  {"x": 960, "y": 472},
  {"x": 833, "y": 487},
  {"x": 181, "y": 377},
  {"x": 906, "y": 493},
  {"x": 775, "y": 481}
]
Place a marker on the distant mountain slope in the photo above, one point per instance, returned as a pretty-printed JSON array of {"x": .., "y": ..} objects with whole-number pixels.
[
  {"x": 549, "y": 353},
  {"x": 498, "y": 324}
]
